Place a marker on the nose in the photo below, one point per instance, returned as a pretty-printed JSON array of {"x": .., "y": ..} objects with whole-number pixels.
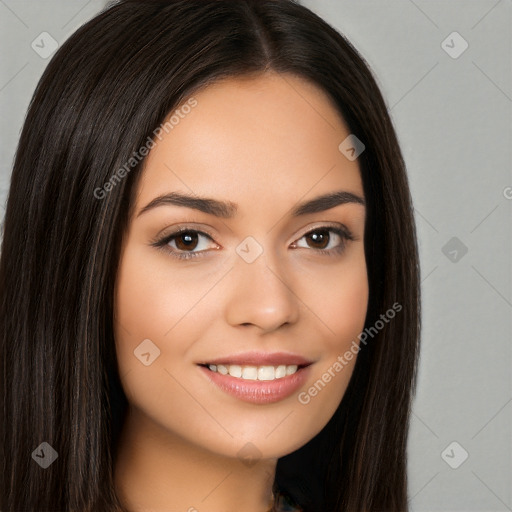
[{"x": 261, "y": 294}]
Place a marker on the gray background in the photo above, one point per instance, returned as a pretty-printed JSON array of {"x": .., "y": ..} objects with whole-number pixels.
[{"x": 453, "y": 118}]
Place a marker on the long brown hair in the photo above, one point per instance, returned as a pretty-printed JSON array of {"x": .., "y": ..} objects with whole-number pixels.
[{"x": 102, "y": 95}]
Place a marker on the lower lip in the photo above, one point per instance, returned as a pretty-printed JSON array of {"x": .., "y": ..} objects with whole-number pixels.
[{"x": 259, "y": 391}]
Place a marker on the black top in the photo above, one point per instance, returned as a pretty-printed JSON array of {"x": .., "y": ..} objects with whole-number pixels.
[{"x": 283, "y": 503}]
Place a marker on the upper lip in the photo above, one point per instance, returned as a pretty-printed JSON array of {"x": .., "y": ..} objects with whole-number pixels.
[{"x": 261, "y": 359}]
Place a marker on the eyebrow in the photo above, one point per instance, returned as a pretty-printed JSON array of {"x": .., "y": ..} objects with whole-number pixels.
[{"x": 228, "y": 209}]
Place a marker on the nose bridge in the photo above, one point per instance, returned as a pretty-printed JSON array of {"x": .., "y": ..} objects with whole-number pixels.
[{"x": 260, "y": 291}]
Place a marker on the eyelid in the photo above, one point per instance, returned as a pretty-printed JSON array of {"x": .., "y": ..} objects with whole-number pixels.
[
  {"x": 334, "y": 225},
  {"x": 183, "y": 227},
  {"x": 172, "y": 231}
]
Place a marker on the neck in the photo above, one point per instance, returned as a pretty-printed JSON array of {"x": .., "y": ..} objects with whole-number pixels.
[{"x": 158, "y": 471}]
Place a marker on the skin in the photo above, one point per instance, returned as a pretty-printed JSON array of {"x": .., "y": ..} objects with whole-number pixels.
[{"x": 266, "y": 144}]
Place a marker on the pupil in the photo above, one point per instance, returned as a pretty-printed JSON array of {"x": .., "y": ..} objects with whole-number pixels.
[
  {"x": 318, "y": 238},
  {"x": 187, "y": 238}
]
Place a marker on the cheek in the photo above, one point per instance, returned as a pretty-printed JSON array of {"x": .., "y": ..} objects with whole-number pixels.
[
  {"x": 153, "y": 333},
  {"x": 338, "y": 301},
  {"x": 143, "y": 309},
  {"x": 348, "y": 307},
  {"x": 137, "y": 304},
  {"x": 149, "y": 296},
  {"x": 340, "y": 312},
  {"x": 347, "y": 315},
  {"x": 155, "y": 302}
]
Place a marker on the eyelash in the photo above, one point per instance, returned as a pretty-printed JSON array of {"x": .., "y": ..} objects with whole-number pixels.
[{"x": 162, "y": 243}]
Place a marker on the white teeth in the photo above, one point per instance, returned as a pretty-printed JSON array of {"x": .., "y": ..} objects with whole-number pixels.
[
  {"x": 280, "y": 371},
  {"x": 254, "y": 372},
  {"x": 250, "y": 372},
  {"x": 266, "y": 373},
  {"x": 235, "y": 370},
  {"x": 291, "y": 369},
  {"x": 220, "y": 368}
]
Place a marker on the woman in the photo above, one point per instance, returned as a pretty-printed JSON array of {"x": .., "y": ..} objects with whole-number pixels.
[{"x": 209, "y": 271}]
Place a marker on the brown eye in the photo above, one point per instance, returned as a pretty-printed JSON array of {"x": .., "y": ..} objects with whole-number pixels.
[
  {"x": 186, "y": 241},
  {"x": 319, "y": 238}
]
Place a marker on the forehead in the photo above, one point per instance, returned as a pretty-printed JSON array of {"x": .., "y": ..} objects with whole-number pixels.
[{"x": 252, "y": 140}]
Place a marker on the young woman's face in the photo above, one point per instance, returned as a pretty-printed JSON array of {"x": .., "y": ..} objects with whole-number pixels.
[{"x": 260, "y": 279}]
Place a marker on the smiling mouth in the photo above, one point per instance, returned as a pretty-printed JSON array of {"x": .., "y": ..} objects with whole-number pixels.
[{"x": 255, "y": 373}]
